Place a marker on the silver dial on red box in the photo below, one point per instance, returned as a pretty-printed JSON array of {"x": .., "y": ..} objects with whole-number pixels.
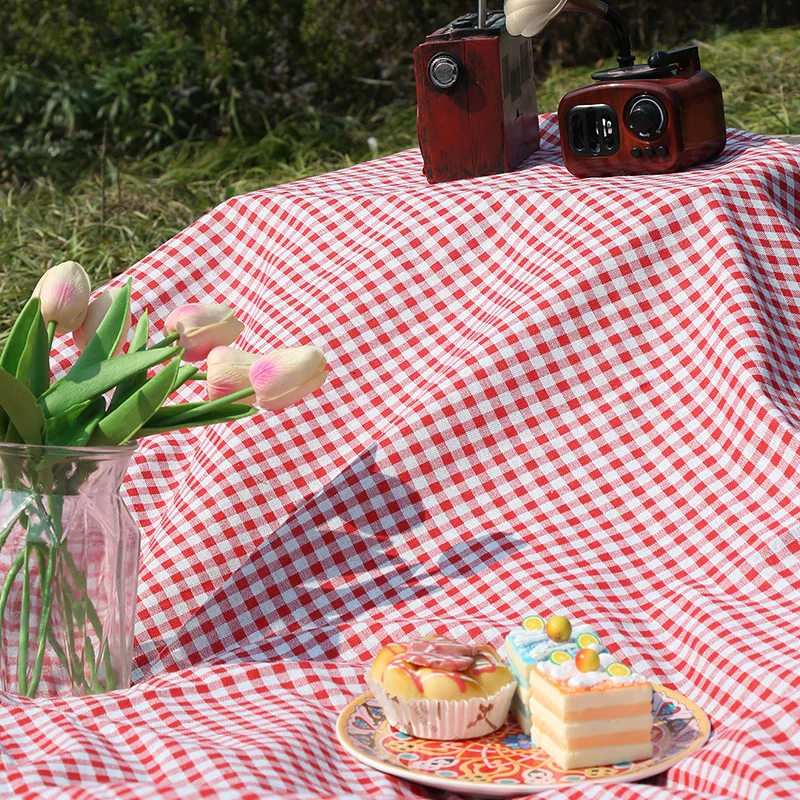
[
  {"x": 443, "y": 70},
  {"x": 645, "y": 117}
]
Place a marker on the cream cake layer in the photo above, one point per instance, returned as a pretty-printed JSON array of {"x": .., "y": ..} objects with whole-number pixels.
[
  {"x": 593, "y": 756},
  {"x": 588, "y": 714},
  {"x": 563, "y": 699},
  {"x": 586, "y": 718},
  {"x": 613, "y": 723},
  {"x": 589, "y": 742},
  {"x": 584, "y": 708}
]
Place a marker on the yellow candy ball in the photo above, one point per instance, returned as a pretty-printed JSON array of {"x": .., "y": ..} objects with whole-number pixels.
[{"x": 558, "y": 629}]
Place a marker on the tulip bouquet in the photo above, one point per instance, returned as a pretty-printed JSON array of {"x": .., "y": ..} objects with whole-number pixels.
[{"x": 68, "y": 554}]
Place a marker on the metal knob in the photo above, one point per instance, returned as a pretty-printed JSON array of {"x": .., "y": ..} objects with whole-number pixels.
[
  {"x": 646, "y": 117},
  {"x": 443, "y": 70}
]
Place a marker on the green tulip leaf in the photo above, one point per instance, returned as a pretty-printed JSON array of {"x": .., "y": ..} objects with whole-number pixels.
[
  {"x": 140, "y": 333},
  {"x": 236, "y": 411},
  {"x": 186, "y": 412},
  {"x": 138, "y": 343},
  {"x": 14, "y": 349},
  {"x": 11, "y": 434},
  {"x": 74, "y": 426},
  {"x": 18, "y": 336},
  {"x": 109, "y": 333},
  {"x": 78, "y": 386},
  {"x": 123, "y": 423},
  {"x": 185, "y": 373},
  {"x": 24, "y": 414},
  {"x": 169, "y": 412},
  {"x": 33, "y": 368}
]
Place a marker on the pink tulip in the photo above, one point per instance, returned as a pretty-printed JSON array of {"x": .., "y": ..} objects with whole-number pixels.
[
  {"x": 285, "y": 376},
  {"x": 64, "y": 293},
  {"x": 530, "y": 17},
  {"x": 228, "y": 371},
  {"x": 202, "y": 327},
  {"x": 95, "y": 314}
]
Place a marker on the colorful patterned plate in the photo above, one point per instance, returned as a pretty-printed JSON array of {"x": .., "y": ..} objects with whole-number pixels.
[{"x": 504, "y": 763}]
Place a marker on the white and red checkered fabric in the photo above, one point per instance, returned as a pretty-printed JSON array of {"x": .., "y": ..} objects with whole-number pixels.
[{"x": 547, "y": 394}]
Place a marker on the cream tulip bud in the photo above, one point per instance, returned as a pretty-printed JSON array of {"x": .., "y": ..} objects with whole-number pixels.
[
  {"x": 285, "y": 376},
  {"x": 64, "y": 294},
  {"x": 95, "y": 314},
  {"x": 202, "y": 327},
  {"x": 228, "y": 371},
  {"x": 530, "y": 17}
]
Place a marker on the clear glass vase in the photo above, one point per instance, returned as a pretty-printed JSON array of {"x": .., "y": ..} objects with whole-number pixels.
[{"x": 69, "y": 564}]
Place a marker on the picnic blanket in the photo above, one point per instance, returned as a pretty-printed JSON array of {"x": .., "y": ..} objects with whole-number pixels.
[{"x": 547, "y": 394}]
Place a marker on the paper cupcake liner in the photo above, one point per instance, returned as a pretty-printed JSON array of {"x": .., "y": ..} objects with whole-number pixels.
[{"x": 445, "y": 719}]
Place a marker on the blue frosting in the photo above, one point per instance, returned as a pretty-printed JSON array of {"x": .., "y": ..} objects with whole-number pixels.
[
  {"x": 535, "y": 646},
  {"x": 521, "y": 682}
]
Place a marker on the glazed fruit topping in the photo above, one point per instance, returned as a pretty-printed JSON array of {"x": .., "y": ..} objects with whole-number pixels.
[{"x": 440, "y": 654}]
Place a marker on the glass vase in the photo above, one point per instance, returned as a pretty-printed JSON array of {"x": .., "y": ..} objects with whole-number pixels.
[{"x": 69, "y": 564}]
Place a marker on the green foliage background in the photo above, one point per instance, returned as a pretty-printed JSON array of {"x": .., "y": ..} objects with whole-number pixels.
[
  {"x": 145, "y": 74},
  {"x": 121, "y": 121}
]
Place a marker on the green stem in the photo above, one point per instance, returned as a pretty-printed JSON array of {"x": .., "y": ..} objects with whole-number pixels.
[
  {"x": 167, "y": 340},
  {"x": 24, "y": 623},
  {"x": 213, "y": 405},
  {"x": 199, "y": 376},
  {"x": 45, "y": 584},
  {"x": 111, "y": 676},
  {"x": 51, "y": 332},
  {"x": 89, "y": 650},
  {"x": 16, "y": 566},
  {"x": 57, "y": 649},
  {"x": 75, "y": 664},
  {"x": 6, "y": 532},
  {"x": 56, "y": 507},
  {"x": 94, "y": 618},
  {"x": 40, "y": 558}
]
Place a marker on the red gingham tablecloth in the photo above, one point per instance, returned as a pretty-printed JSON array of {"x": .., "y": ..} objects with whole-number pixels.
[{"x": 547, "y": 393}]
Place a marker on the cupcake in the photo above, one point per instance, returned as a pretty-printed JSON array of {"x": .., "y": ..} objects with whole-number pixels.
[{"x": 440, "y": 689}]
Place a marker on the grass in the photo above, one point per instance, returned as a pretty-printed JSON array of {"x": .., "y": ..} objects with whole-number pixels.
[
  {"x": 108, "y": 223},
  {"x": 112, "y": 217}
]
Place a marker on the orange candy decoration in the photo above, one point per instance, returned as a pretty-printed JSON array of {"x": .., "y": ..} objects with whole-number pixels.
[{"x": 587, "y": 660}]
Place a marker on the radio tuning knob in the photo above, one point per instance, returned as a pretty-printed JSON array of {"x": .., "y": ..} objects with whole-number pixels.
[
  {"x": 658, "y": 59},
  {"x": 646, "y": 117},
  {"x": 443, "y": 70}
]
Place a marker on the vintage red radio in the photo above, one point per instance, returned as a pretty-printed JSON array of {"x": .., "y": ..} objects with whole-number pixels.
[
  {"x": 476, "y": 99},
  {"x": 657, "y": 117}
]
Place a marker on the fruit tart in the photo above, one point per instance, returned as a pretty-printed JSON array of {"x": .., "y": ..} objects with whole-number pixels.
[{"x": 436, "y": 688}]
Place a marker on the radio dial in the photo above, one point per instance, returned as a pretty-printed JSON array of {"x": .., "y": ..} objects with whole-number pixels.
[
  {"x": 646, "y": 117},
  {"x": 443, "y": 70}
]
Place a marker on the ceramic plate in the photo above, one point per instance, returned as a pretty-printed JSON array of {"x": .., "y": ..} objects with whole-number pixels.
[{"x": 504, "y": 763}]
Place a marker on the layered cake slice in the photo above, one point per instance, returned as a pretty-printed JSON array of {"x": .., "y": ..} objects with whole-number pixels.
[
  {"x": 579, "y": 705},
  {"x": 534, "y": 643}
]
